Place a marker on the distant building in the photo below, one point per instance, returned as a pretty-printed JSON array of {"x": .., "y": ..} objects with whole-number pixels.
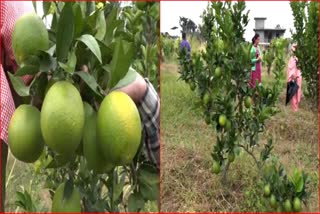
[{"x": 267, "y": 34}]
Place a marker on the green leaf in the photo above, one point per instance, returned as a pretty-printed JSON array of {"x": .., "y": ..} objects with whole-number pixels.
[
  {"x": 92, "y": 44},
  {"x": 65, "y": 32},
  {"x": 83, "y": 6},
  {"x": 79, "y": 21},
  {"x": 47, "y": 62},
  {"x": 297, "y": 180},
  {"x": 90, "y": 81},
  {"x": 71, "y": 64},
  {"x": 112, "y": 23},
  {"x": 148, "y": 179},
  {"x": 147, "y": 176},
  {"x": 46, "y": 7},
  {"x": 101, "y": 26},
  {"x": 68, "y": 189},
  {"x": 27, "y": 69},
  {"x": 121, "y": 61},
  {"x": 39, "y": 86},
  {"x": 18, "y": 85},
  {"x": 135, "y": 202},
  {"x": 149, "y": 192},
  {"x": 117, "y": 187}
]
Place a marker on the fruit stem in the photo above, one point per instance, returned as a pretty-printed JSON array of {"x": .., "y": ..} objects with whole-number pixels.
[{"x": 133, "y": 175}]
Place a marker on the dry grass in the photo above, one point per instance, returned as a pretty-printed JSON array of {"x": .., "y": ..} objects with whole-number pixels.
[{"x": 187, "y": 181}]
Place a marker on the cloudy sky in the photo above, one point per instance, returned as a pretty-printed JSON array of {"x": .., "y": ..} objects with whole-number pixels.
[{"x": 275, "y": 12}]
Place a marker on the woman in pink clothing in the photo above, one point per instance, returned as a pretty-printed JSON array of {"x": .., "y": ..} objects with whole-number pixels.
[
  {"x": 256, "y": 57},
  {"x": 10, "y": 12},
  {"x": 294, "y": 74}
]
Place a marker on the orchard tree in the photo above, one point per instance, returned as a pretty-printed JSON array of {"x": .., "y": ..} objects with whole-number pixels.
[
  {"x": 237, "y": 112},
  {"x": 306, "y": 15}
]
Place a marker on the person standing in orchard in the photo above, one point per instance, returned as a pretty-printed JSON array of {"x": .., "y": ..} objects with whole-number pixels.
[
  {"x": 294, "y": 74},
  {"x": 256, "y": 58},
  {"x": 184, "y": 45}
]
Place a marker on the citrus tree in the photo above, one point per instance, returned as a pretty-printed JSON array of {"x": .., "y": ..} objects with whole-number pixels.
[
  {"x": 306, "y": 15},
  {"x": 83, "y": 136},
  {"x": 167, "y": 47},
  {"x": 237, "y": 112}
]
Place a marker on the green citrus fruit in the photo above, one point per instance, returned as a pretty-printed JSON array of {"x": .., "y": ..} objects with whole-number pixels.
[
  {"x": 118, "y": 128},
  {"x": 231, "y": 157},
  {"x": 287, "y": 205},
  {"x": 217, "y": 72},
  {"x": 215, "y": 167},
  {"x": 267, "y": 190},
  {"x": 273, "y": 201},
  {"x": 297, "y": 204},
  {"x": 61, "y": 204},
  {"x": 62, "y": 118},
  {"x": 247, "y": 102},
  {"x": 29, "y": 36},
  {"x": 24, "y": 134},
  {"x": 228, "y": 125},
  {"x": 222, "y": 120},
  {"x": 220, "y": 44},
  {"x": 206, "y": 98},
  {"x": 91, "y": 151}
]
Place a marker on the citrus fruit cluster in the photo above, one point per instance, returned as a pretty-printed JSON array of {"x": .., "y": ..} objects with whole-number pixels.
[{"x": 66, "y": 124}]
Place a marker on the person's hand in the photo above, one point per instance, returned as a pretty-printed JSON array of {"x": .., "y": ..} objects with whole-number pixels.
[
  {"x": 136, "y": 89},
  {"x": 259, "y": 58}
]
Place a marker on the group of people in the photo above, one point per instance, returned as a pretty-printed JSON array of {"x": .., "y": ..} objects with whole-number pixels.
[{"x": 293, "y": 73}]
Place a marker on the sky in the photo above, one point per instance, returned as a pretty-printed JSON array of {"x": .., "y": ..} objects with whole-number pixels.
[{"x": 276, "y": 12}]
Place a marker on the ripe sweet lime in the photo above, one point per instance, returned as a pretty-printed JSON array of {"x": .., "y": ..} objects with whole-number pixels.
[
  {"x": 247, "y": 102},
  {"x": 217, "y": 72},
  {"x": 287, "y": 205},
  {"x": 25, "y": 139},
  {"x": 231, "y": 157},
  {"x": 61, "y": 204},
  {"x": 29, "y": 36},
  {"x": 297, "y": 204},
  {"x": 273, "y": 201},
  {"x": 62, "y": 118},
  {"x": 206, "y": 98},
  {"x": 222, "y": 120},
  {"x": 118, "y": 128},
  {"x": 215, "y": 167},
  {"x": 228, "y": 125},
  {"x": 91, "y": 151},
  {"x": 267, "y": 190}
]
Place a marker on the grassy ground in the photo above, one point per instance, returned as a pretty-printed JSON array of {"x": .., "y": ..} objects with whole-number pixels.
[
  {"x": 187, "y": 181},
  {"x": 21, "y": 176}
]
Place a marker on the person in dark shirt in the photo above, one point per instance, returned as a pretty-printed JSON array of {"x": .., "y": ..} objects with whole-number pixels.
[{"x": 185, "y": 45}]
